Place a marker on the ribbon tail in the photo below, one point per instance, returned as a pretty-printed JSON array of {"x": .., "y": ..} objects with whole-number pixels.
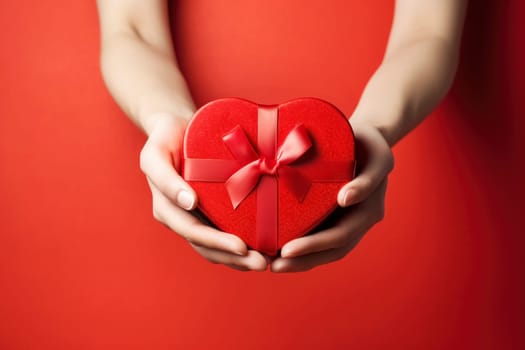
[
  {"x": 295, "y": 181},
  {"x": 242, "y": 182}
]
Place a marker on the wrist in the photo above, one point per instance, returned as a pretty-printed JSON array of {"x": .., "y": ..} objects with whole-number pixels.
[
  {"x": 150, "y": 121},
  {"x": 152, "y": 107},
  {"x": 369, "y": 123}
]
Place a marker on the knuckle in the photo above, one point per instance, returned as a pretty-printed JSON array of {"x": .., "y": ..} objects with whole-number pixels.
[
  {"x": 156, "y": 214},
  {"x": 144, "y": 158}
]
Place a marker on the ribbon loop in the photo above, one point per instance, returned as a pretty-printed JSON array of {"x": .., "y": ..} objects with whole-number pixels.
[
  {"x": 296, "y": 143},
  {"x": 239, "y": 144}
]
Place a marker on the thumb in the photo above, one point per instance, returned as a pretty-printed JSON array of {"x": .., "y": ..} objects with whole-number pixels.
[
  {"x": 158, "y": 159},
  {"x": 377, "y": 160}
]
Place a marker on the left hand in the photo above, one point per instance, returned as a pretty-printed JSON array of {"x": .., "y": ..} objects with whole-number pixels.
[{"x": 363, "y": 202}]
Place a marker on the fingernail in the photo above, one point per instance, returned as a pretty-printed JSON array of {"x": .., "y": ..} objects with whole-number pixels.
[
  {"x": 278, "y": 267},
  {"x": 347, "y": 200},
  {"x": 286, "y": 252},
  {"x": 185, "y": 200}
]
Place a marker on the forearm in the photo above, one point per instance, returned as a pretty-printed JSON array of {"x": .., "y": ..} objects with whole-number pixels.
[
  {"x": 418, "y": 68},
  {"x": 138, "y": 61},
  {"x": 407, "y": 86},
  {"x": 144, "y": 80}
]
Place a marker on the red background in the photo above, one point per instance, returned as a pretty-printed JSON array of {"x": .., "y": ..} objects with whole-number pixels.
[{"x": 83, "y": 265}]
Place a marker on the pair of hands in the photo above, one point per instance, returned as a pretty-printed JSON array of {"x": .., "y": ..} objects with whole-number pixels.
[{"x": 361, "y": 200}]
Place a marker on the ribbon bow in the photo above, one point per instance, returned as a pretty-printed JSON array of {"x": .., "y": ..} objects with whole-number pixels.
[{"x": 243, "y": 181}]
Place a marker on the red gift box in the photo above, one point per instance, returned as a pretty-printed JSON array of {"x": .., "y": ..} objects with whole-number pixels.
[{"x": 268, "y": 174}]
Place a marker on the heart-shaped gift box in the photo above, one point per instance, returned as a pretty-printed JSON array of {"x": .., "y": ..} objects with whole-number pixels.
[{"x": 268, "y": 174}]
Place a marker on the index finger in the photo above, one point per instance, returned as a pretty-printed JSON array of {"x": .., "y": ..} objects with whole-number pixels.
[{"x": 193, "y": 230}]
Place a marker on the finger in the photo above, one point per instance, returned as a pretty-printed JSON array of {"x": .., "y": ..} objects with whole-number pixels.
[
  {"x": 238, "y": 268},
  {"x": 378, "y": 162},
  {"x": 158, "y": 166},
  {"x": 189, "y": 227},
  {"x": 308, "y": 262},
  {"x": 336, "y": 236},
  {"x": 327, "y": 240},
  {"x": 253, "y": 260},
  {"x": 355, "y": 223}
]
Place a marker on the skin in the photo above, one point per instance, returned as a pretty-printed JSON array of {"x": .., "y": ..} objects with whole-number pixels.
[{"x": 140, "y": 69}]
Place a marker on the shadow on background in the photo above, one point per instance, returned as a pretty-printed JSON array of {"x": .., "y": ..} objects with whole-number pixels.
[
  {"x": 480, "y": 94},
  {"x": 484, "y": 111}
]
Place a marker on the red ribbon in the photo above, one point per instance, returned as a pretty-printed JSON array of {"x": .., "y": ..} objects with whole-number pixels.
[
  {"x": 244, "y": 180},
  {"x": 261, "y": 170}
]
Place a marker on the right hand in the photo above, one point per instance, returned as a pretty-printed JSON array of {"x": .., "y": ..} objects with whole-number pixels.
[{"x": 174, "y": 199}]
